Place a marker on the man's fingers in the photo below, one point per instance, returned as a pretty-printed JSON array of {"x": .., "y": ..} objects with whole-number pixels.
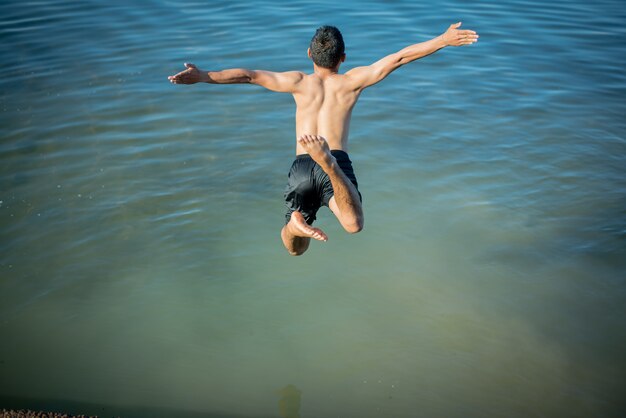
[
  {"x": 467, "y": 36},
  {"x": 189, "y": 65},
  {"x": 455, "y": 25},
  {"x": 469, "y": 41},
  {"x": 178, "y": 78},
  {"x": 181, "y": 75}
]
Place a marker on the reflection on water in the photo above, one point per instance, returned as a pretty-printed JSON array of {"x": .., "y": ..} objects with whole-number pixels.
[
  {"x": 289, "y": 403},
  {"x": 141, "y": 268}
]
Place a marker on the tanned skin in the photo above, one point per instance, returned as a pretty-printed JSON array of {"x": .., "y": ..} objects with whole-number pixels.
[{"x": 324, "y": 103}]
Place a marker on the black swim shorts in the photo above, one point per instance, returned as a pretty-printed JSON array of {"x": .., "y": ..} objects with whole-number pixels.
[{"x": 309, "y": 187}]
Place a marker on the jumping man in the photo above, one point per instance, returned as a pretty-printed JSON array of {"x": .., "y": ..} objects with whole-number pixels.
[{"x": 322, "y": 172}]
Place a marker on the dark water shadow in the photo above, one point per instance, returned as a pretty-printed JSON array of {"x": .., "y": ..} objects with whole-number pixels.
[{"x": 108, "y": 411}]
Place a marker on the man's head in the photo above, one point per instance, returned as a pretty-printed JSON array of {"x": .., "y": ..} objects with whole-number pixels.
[{"x": 327, "y": 48}]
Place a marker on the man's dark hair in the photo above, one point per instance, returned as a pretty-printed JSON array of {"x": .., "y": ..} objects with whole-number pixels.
[{"x": 327, "y": 47}]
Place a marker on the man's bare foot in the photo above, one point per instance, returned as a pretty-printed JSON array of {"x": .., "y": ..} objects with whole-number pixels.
[
  {"x": 317, "y": 147},
  {"x": 298, "y": 227}
]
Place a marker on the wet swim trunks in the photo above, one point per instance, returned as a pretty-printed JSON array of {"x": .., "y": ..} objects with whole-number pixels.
[{"x": 309, "y": 187}]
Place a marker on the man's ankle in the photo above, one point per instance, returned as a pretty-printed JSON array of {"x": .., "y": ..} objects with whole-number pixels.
[{"x": 331, "y": 165}]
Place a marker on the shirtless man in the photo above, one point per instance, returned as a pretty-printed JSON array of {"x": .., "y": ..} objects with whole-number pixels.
[{"x": 322, "y": 172}]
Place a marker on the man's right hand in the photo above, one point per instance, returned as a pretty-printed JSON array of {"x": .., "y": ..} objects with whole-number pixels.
[{"x": 191, "y": 75}]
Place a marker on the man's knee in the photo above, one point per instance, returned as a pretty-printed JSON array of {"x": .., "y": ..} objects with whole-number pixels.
[{"x": 296, "y": 252}]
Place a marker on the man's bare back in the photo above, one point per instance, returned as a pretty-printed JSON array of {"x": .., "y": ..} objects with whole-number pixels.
[{"x": 324, "y": 103}]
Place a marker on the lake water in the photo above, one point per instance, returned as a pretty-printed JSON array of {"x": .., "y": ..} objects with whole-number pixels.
[{"x": 141, "y": 268}]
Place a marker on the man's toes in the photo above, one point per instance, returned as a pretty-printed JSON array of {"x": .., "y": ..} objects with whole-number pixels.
[
  {"x": 319, "y": 235},
  {"x": 320, "y": 140}
]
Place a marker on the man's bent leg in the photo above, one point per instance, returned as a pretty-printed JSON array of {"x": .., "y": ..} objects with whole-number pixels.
[
  {"x": 297, "y": 234},
  {"x": 345, "y": 204},
  {"x": 352, "y": 220}
]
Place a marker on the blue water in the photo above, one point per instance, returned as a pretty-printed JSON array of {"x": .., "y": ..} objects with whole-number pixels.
[{"x": 141, "y": 268}]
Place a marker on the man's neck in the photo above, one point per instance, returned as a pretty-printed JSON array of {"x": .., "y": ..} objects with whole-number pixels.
[{"x": 324, "y": 72}]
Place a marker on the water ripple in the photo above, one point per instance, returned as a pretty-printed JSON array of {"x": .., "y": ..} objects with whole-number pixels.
[{"x": 493, "y": 184}]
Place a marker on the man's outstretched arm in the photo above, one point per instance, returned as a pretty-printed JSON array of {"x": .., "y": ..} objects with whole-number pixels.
[
  {"x": 286, "y": 82},
  {"x": 369, "y": 75}
]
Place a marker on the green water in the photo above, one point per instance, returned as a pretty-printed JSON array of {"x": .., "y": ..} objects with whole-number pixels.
[{"x": 141, "y": 267}]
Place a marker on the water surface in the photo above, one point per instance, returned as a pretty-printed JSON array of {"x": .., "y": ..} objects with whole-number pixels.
[{"x": 140, "y": 259}]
